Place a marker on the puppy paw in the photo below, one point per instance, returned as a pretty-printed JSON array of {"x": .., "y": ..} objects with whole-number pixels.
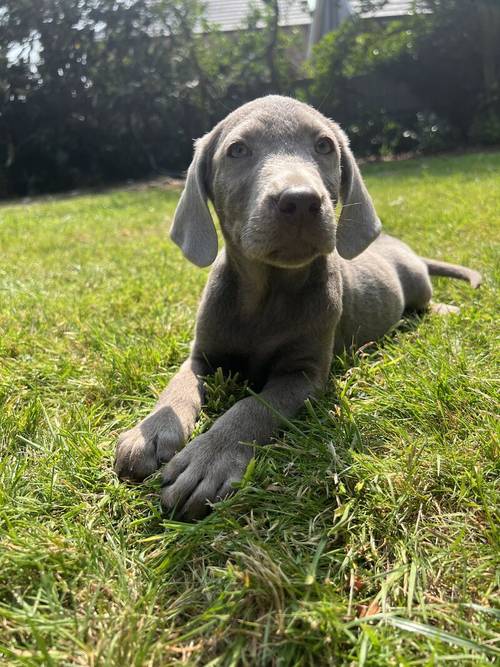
[
  {"x": 146, "y": 447},
  {"x": 204, "y": 472},
  {"x": 443, "y": 309}
]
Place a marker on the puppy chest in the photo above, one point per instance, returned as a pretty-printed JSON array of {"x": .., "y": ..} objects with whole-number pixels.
[{"x": 252, "y": 357}]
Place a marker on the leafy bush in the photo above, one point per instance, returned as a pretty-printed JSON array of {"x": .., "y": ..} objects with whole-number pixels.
[
  {"x": 105, "y": 90},
  {"x": 486, "y": 128},
  {"x": 420, "y": 79}
]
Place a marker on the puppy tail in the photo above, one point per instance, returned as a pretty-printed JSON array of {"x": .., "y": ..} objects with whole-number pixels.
[{"x": 437, "y": 268}]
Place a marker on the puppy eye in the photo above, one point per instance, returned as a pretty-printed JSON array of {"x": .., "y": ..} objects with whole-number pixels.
[
  {"x": 324, "y": 145},
  {"x": 238, "y": 149}
]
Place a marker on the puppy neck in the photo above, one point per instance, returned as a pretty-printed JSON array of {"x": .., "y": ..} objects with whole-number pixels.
[{"x": 258, "y": 281}]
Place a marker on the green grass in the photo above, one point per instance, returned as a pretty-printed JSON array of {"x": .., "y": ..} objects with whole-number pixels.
[{"x": 367, "y": 534}]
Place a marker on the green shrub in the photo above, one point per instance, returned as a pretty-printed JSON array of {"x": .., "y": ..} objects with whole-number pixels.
[
  {"x": 94, "y": 92},
  {"x": 415, "y": 82},
  {"x": 485, "y": 129}
]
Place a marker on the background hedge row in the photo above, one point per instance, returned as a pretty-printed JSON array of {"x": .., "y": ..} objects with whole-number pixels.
[{"x": 99, "y": 91}]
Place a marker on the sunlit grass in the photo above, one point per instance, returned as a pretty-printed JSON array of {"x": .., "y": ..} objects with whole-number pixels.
[{"x": 367, "y": 534}]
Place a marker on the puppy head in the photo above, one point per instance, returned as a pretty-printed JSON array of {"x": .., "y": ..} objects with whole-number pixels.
[{"x": 275, "y": 169}]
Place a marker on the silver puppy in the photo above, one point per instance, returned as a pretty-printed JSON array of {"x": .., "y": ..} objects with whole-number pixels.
[{"x": 292, "y": 286}]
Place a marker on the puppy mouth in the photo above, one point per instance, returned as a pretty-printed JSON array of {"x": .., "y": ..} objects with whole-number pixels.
[
  {"x": 268, "y": 240},
  {"x": 289, "y": 255},
  {"x": 291, "y": 258},
  {"x": 302, "y": 248}
]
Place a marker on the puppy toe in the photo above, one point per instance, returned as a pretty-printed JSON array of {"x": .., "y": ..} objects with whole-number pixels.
[
  {"x": 133, "y": 460},
  {"x": 175, "y": 494},
  {"x": 166, "y": 445},
  {"x": 228, "y": 488},
  {"x": 174, "y": 469},
  {"x": 197, "y": 505}
]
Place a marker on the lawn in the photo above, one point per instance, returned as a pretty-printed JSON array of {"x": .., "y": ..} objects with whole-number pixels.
[{"x": 367, "y": 534}]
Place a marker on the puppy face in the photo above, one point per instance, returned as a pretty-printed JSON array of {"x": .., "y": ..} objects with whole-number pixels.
[
  {"x": 275, "y": 182},
  {"x": 274, "y": 170}
]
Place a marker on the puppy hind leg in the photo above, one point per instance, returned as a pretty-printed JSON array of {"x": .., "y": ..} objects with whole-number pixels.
[
  {"x": 417, "y": 289},
  {"x": 417, "y": 292}
]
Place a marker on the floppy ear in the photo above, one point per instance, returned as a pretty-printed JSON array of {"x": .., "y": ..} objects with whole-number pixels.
[
  {"x": 359, "y": 224},
  {"x": 193, "y": 229}
]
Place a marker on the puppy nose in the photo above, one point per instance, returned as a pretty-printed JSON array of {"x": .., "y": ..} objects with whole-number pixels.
[{"x": 299, "y": 201}]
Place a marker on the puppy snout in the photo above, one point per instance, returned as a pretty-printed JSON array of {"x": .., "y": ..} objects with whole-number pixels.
[{"x": 299, "y": 202}]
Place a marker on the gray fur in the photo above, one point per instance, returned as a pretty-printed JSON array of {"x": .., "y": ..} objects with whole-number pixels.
[
  {"x": 290, "y": 288},
  {"x": 193, "y": 229},
  {"x": 436, "y": 268}
]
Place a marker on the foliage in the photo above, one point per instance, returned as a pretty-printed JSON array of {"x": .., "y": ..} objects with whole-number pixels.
[
  {"x": 101, "y": 90},
  {"x": 443, "y": 62},
  {"x": 367, "y": 534}
]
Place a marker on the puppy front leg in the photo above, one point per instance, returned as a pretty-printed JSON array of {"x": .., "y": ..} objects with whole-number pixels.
[
  {"x": 154, "y": 441},
  {"x": 208, "y": 467}
]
